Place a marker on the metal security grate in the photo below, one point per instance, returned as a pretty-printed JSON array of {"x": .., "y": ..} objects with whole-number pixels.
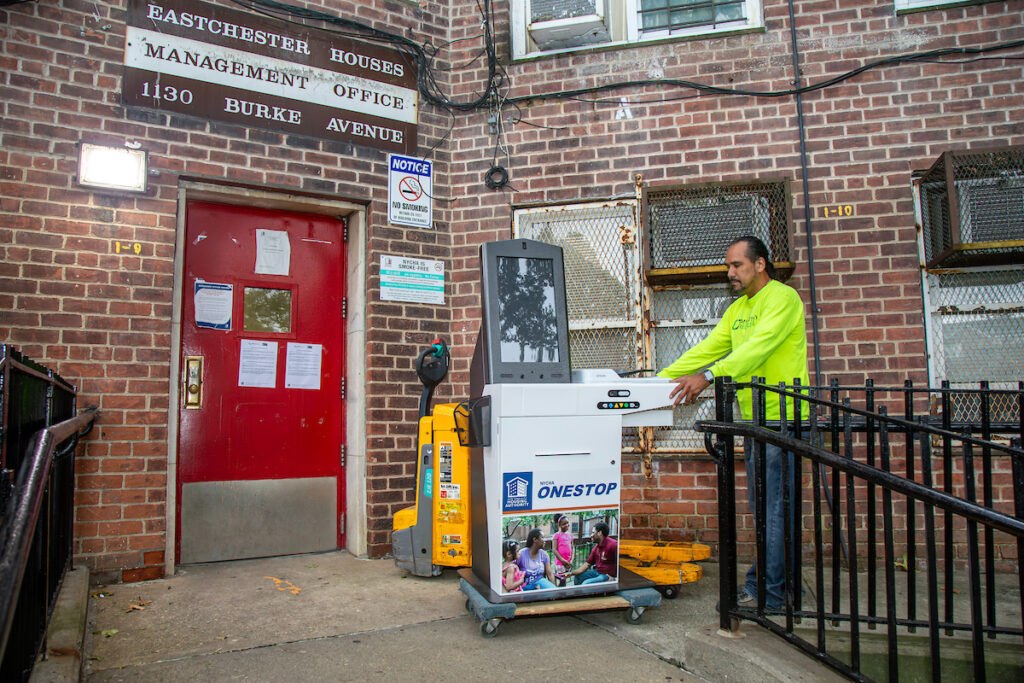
[
  {"x": 976, "y": 333},
  {"x": 614, "y": 315},
  {"x": 680, "y": 318},
  {"x": 691, "y": 226},
  {"x": 602, "y": 277},
  {"x": 682, "y": 15},
  {"x": 549, "y": 10},
  {"x": 972, "y": 208}
]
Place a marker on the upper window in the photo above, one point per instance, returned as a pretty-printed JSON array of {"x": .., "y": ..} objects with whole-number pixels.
[
  {"x": 541, "y": 27},
  {"x": 909, "y": 5}
]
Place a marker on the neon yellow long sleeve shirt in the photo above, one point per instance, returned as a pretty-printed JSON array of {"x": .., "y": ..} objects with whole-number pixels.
[{"x": 759, "y": 336}]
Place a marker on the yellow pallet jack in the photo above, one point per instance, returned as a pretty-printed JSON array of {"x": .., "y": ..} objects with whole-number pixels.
[
  {"x": 669, "y": 564},
  {"x": 435, "y": 533}
]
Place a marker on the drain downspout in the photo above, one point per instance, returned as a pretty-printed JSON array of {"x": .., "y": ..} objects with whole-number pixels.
[
  {"x": 807, "y": 195},
  {"x": 810, "y": 242}
]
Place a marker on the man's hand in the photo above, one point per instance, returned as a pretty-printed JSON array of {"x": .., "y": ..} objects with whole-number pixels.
[{"x": 687, "y": 388}]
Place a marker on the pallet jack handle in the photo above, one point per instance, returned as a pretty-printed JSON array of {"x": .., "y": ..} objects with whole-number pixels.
[{"x": 431, "y": 368}]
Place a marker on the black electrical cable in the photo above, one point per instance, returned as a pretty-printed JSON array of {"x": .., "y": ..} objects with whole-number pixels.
[
  {"x": 496, "y": 178},
  {"x": 820, "y": 85},
  {"x": 423, "y": 56},
  {"x": 427, "y": 85}
]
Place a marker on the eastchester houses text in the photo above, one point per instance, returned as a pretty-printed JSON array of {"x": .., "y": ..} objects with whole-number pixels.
[{"x": 249, "y": 70}]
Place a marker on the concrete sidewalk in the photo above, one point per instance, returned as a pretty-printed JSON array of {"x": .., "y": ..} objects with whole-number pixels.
[{"x": 334, "y": 616}]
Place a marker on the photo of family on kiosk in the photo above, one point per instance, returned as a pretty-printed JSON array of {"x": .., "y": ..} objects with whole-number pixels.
[{"x": 559, "y": 550}]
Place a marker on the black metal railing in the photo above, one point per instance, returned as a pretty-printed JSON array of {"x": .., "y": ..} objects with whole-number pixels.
[
  {"x": 40, "y": 432},
  {"x": 906, "y": 521}
]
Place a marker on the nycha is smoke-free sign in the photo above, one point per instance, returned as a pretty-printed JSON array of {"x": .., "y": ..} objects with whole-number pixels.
[{"x": 409, "y": 191}]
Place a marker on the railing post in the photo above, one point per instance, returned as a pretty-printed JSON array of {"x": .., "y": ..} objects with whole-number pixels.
[
  {"x": 911, "y": 521},
  {"x": 838, "y": 541},
  {"x": 1018, "y": 512},
  {"x": 973, "y": 562},
  {"x": 727, "y": 589},
  {"x": 798, "y": 498},
  {"x": 947, "y": 486},
  {"x": 889, "y": 551},
  {"x": 933, "y": 578},
  {"x": 758, "y": 451},
  {"x": 851, "y": 537},
  {"x": 789, "y": 585},
  {"x": 872, "y": 532},
  {"x": 987, "y": 496}
]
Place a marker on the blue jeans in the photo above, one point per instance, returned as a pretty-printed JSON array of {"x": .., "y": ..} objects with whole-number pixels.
[
  {"x": 774, "y": 553},
  {"x": 539, "y": 584},
  {"x": 591, "y": 576}
]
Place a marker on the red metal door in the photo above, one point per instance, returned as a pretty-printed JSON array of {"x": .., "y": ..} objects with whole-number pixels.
[{"x": 260, "y": 441}]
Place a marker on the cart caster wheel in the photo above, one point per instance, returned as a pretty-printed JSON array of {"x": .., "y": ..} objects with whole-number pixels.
[
  {"x": 670, "y": 592},
  {"x": 634, "y": 615},
  {"x": 488, "y": 629}
]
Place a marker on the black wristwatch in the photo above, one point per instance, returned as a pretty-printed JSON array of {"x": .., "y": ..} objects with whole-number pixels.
[{"x": 709, "y": 376}]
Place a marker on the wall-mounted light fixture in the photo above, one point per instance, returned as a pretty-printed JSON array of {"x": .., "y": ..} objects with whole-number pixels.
[{"x": 112, "y": 168}]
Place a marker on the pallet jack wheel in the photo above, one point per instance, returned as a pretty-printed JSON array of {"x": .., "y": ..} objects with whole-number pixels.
[
  {"x": 634, "y": 615},
  {"x": 670, "y": 592},
  {"x": 489, "y": 628}
]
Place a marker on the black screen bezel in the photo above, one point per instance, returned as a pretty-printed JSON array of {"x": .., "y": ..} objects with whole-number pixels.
[{"x": 514, "y": 372}]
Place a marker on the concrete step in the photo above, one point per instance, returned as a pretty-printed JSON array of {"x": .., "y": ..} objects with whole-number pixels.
[{"x": 62, "y": 660}]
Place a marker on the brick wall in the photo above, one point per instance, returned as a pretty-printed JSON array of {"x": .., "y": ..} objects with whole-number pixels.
[
  {"x": 864, "y": 136},
  {"x": 103, "y": 319}
]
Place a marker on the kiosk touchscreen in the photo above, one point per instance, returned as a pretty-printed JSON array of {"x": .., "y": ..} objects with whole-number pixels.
[
  {"x": 548, "y": 462},
  {"x": 524, "y": 333}
]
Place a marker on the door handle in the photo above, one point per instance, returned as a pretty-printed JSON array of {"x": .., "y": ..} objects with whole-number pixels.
[{"x": 193, "y": 382}]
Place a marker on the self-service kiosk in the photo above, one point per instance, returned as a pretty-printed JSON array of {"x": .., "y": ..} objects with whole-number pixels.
[
  {"x": 541, "y": 441},
  {"x": 547, "y": 440}
]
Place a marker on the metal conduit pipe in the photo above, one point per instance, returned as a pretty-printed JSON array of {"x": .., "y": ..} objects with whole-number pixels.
[
  {"x": 807, "y": 194},
  {"x": 810, "y": 231}
]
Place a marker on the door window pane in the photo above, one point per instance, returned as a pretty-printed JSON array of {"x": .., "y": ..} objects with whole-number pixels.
[{"x": 267, "y": 310}]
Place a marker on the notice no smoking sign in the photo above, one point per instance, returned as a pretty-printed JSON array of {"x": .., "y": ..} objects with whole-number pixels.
[{"x": 409, "y": 191}]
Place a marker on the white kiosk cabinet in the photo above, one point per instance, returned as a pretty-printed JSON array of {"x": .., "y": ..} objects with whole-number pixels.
[{"x": 557, "y": 449}]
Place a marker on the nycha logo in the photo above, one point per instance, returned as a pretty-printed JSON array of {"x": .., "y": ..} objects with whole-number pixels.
[{"x": 516, "y": 490}]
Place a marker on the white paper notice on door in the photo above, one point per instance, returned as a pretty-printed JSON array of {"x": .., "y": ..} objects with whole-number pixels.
[
  {"x": 273, "y": 252},
  {"x": 213, "y": 305},
  {"x": 257, "y": 364},
  {"x": 302, "y": 366}
]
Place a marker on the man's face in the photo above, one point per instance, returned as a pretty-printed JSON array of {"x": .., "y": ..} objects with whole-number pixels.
[
  {"x": 596, "y": 536},
  {"x": 742, "y": 271}
]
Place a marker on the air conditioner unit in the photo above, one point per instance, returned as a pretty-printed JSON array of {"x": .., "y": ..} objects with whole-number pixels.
[
  {"x": 972, "y": 209},
  {"x": 683, "y": 229},
  {"x": 691, "y": 228},
  {"x": 560, "y": 24}
]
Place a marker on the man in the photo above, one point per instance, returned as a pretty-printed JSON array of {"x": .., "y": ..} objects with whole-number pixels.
[
  {"x": 761, "y": 334},
  {"x": 603, "y": 562}
]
